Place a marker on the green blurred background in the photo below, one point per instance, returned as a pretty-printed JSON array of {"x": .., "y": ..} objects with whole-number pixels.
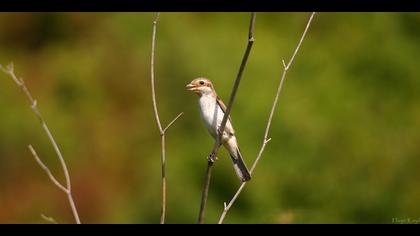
[{"x": 345, "y": 139}]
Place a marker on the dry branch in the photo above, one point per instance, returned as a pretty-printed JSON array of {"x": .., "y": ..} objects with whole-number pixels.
[
  {"x": 34, "y": 105},
  {"x": 217, "y": 143},
  {"x": 267, "y": 129},
  {"x": 162, "y": 131}
]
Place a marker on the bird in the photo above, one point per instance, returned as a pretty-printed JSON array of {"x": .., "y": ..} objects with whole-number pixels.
[{"x": 212, "y": 109}]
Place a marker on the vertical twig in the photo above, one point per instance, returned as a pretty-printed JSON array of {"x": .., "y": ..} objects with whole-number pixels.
[
  {"x": 162, "y": 131},
  {"x": 34, "y": 105},
  {"x": 267, "y": 129},
  {"x": 217, "y": 143}
]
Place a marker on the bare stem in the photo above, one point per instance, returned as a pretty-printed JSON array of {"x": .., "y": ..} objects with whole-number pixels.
[
  {"x": 163, "y": 208},
  {"x": 217, "y": 143},
  {"x": 205, "y": 194},
  {"x": 172, "y": 122},
  {"x": 152, "y": 73},
  {"x": 162, "y": 131},
  {"x": 47, "y": 170},
  {"x": 267, "y": 129},
  {"x": 34, "y": 105}
]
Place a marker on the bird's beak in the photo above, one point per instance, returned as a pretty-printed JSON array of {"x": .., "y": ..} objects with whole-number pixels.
[{"x": 191, "y": 87}]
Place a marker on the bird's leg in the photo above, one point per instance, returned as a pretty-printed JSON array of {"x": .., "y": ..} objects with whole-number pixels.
[{"x": 212, "y": 157}]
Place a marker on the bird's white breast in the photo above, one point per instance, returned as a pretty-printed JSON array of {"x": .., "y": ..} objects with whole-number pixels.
[{"x": 212, "y": 115}]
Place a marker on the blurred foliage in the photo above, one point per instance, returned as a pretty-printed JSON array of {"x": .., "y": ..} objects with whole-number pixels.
[{"x": 345, "y": 139}]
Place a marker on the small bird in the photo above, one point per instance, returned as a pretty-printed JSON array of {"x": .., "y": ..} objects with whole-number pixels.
[{"x": 212, "y": 110}]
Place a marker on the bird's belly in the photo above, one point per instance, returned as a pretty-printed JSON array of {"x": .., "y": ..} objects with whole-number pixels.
[
  {"x": 212, "y": 116},
  {"x": 210, "y": 113}
]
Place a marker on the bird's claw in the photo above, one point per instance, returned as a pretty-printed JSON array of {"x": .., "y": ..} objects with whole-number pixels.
[{"x": 212, "y": 158}]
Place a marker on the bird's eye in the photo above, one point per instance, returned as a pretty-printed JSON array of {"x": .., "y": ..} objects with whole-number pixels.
[{"x": 202, "y": 82}]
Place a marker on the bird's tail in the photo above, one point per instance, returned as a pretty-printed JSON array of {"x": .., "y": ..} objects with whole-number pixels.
[{"x": 240, "y": 166}]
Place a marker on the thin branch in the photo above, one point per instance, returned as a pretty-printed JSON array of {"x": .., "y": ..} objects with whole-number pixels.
[
  {"x": 205, "y": 194},
  {"x": 152, "y": 73},
  {"x": 172, "y": 122},
  {"x": 47, "y": 170},
  {"x": 266, "y": 139},
  {"x": 217, "y": 143},
  {"x": 300, "y": 41},
  {"x": 237, "y": 80},
  {"x": 156, "y": 112},
  {"x": 34, "y": 105}
]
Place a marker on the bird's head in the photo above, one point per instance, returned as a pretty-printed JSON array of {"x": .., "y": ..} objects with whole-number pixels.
[{"x": 201, "y": 86}]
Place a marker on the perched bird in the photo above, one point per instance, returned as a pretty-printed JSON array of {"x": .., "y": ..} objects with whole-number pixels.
[{"x": 212, "y": 110}]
